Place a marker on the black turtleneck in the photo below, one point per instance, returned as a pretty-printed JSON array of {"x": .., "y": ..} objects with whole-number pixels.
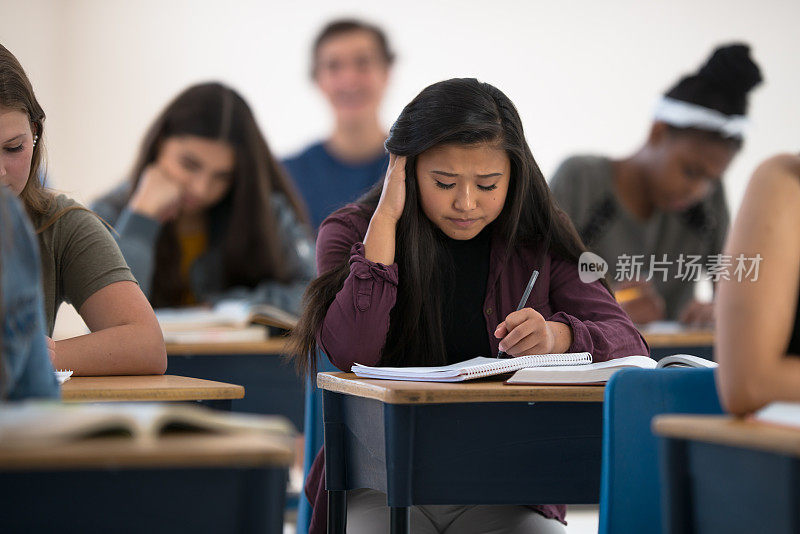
[{"x": 465, "y": 334}]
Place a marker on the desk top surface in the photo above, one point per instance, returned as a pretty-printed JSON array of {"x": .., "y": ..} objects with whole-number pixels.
[
  {"x": 727, "y": 430},
  {"x": 686, "y": 338},
  {"x": 484, "y": 390},
  {"x": 274, "y": 345},
  {"x": 146, "y": 388},
  {"x": 175, "y": 451}
]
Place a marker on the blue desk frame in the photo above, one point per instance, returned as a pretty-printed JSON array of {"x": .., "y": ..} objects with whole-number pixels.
[
  {"x": 271, "y": 384},
  {"x": 202, "y": 500},
  {"x": 712, "y": 488},
  {"x": 460, "y": 453}
]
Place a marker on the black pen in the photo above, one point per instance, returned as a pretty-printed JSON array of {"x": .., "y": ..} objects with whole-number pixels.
[{"x": 534, "y": 275}]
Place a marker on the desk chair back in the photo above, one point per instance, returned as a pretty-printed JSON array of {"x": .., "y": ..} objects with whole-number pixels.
[{"x": 630, "y": 495}]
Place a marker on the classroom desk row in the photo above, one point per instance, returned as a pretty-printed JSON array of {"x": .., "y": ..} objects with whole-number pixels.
[
  {"x": 274, "y": 387},
  {"x": 375, "y": 432},
  {"x": 211, "y": 475},
  {"x": 188, "y": 388},
  {"x": 181, "y": 472}
]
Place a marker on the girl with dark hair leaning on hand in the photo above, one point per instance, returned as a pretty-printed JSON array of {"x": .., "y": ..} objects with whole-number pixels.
[
  {"x": 207, "y": 212},
  {"x": 428, "y": 267}
]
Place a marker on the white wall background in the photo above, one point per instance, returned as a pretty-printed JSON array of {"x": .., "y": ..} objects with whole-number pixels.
[{"x": 584, "y": 74}]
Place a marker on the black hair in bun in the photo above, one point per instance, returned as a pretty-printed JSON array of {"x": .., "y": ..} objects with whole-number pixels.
[{"x": 722, "y": 84}]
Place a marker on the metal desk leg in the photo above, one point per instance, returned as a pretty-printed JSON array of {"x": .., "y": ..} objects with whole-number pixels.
[
  {"x": 337, "y": 512},
  {"x": 401, "y": 520}
]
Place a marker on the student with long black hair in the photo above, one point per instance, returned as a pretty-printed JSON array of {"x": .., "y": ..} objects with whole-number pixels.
[
  {"x": 661, "y": 213},
  {"x": 428, "y": 268}
]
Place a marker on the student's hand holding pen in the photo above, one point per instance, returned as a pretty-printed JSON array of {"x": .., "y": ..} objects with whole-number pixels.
[
  {"x": 157, "y": 195},
  {"x": 526, "y": 332}
]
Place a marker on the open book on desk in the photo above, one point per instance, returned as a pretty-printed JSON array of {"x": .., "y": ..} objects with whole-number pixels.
[
  {"x": 228, "y": 321},
  {"x": 599, "y": 373},
  {"x": 469, "y": 369},
  {"x": 46, "y": 423}
]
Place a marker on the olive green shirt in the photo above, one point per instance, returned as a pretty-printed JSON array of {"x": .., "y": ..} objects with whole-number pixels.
[{"x": 79, "y": 257}]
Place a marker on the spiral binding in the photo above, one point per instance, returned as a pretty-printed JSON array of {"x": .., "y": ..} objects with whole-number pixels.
[{"x": 536, "y": 360}]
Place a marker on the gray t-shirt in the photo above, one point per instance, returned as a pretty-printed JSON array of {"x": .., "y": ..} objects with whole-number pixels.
[
  {"x": 583, "y": 187},
  {"x": 79, "y": 256}
]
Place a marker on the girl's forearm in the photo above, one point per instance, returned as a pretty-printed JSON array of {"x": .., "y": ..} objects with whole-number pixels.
[
  {"x": 119, "y": 350},
  {"x": 379, "y": 242},
  {"x": 749, "y": 388}
]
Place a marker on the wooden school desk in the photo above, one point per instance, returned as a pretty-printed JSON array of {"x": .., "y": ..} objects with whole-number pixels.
[
  {"x": 729, "y": 475},
  {"x": 149, "y": 388},
  {"x": 272, "y": 385},
  {"x": 478, "y": 442},
  {"x": 177, "y": 483},
  {"x": 689, "y": 341}
]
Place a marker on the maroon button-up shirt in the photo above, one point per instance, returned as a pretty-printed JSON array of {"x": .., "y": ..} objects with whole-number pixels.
[{"x": 355, "y": 327}]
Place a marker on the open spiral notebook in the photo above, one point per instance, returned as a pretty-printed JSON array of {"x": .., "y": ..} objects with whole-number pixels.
[
  {"x": 469, "y": 369},
  {"x": 571, "y": 368}
]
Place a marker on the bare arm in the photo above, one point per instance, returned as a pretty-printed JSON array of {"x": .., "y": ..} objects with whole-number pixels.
[
  {"x": 125, "y": 338},
  {"x": 755, "y": 318},
  {"x": 379, "y": 242}
]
